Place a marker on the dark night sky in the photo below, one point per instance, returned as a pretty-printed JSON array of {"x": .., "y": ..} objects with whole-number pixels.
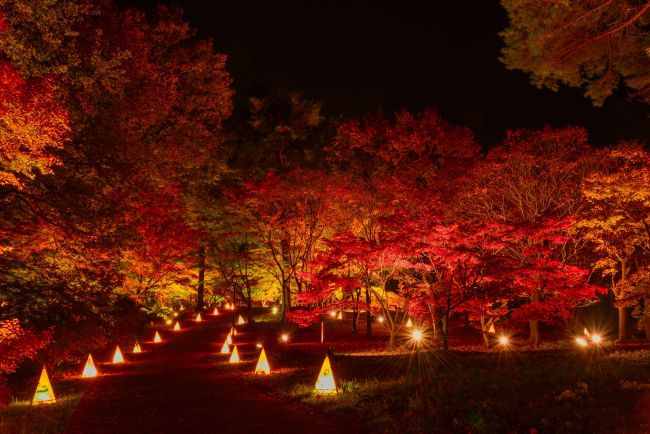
[{"x": 359, "y": 56}]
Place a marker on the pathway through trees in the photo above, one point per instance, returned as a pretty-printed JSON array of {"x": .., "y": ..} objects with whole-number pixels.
[{"x": 175, "y": 388}]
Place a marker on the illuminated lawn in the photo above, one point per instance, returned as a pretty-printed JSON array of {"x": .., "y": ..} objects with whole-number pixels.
[{"x": 556, "y": 390}]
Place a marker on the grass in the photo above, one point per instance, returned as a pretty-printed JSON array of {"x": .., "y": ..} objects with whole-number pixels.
[
  {"x": 560, "y": 389},
  {"x": 22, "y": 418}
]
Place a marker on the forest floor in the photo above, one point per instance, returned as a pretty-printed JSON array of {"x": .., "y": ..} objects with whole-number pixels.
[{"x": 184, "y": 385}]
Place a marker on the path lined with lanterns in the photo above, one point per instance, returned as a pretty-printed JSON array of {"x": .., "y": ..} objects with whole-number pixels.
[{"x": 190, "y": 381}]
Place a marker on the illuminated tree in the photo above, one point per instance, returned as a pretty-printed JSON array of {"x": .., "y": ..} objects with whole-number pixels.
[
  {"x": 616, "y": 221},
  {"x": 590, "y": 44}
]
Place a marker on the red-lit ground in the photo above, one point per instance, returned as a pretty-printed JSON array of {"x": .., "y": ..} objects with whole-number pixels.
[{"x": 184, "y": 386}]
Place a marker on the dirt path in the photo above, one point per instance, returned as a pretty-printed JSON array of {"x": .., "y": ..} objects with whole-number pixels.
[{"x": 175, "y": 388}]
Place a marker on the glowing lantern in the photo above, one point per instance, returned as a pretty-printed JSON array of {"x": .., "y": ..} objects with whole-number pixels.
[
  {"x": 227, "y": 306},
  {"x": 325, "y": 384},
  {"x": 233, "y": 331},
  {"x": 274, "y": 310},
  {"x": 503, "y": 340},
  {"x": 168, "y": 322},
  {"x": 596, "y": 339},
  {"x": 156, "y": 338},
  {"x": 175, "y": 316},
  {"x": 215, "y": 311},
  {"x": 136, "y": 347},
  {"x": 285, "y": 338},
  {"x": 232, "y": 306},
  {"x": 44, "y": 392},
  {"x": 89, "y": 369},
  {"x": 417, "y": 335},
  {"x": 234, "y": 357},
  {"x": 581, "y": 342},
  {"x": 380, "y": 319},
  {"x": 409, "y": 324},
  {"x": 340, "y": 314},
  {"x": 225, "y": 349},
  {"x": 177, "y": 326},
  {"x": 229, "y": 339},
  {"x": 333, "y": 314},
  {"x": 117, "y": 357},
  {"x": 240, "y": 320},
  {"x": 262, "y": 364},
  {"x": 492, "y": 330},
  {"x": 198, "y": 317},
  {"x": 182, "y": 308},
  {"x": 258, "y": 345}
]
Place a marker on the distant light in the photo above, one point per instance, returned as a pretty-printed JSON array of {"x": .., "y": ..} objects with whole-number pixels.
[
  {"x": 417, "y": 335},
  {"x": 274, "y": 310},
  {"x": 284, "y": 337},
  {"x": 89, "y": 369},
  {"x": 380, "y": 319},
  {"x": 177, "y": 326},
  {"x": 503, "y": 340},
  {"x": 596, "y": 339},
  {"x": 156, "y": 338},
  {"x": 198, "y": 317},
  {"x": 169, "y": 322},
  {"x": 333, "y": 314},
  {"x": 175, "y": 316},
  {"x": 581, "y": 342},
  {"x": 234, "y": 357},
  {"x": 258, "y": 345},
  {"x": 409, "y": 323}
]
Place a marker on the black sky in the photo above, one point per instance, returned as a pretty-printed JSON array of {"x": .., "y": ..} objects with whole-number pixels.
[{"x": 360, "y": 56}]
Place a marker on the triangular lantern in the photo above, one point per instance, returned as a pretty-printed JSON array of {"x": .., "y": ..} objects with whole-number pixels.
[
  {"x": 229, "y": 339},
  {"x": 340, "y": 315},
  {"x": 44, "y": 392},
  {"x": 325, "y": 384},
  {"x": 492, "y": 330},
  {"x": 156, "y": 338},
  {"x": 136, "y": 347},
  {"x": 198, "y": 317},
  {"x": 225, "y": 349},
  {"x": 234, "y": 357},
  {"x": 215, "y": 311},
  {"x": 240, "y": 320},
  {"x": 262, "y": 364},
  {"x": 117, "y": 357},
  {"x": 227, "y": 306},
  {"x": 89, "y": 369},
  {"x": 177, "y": 326},
  {"x": 409, "y": 323}
]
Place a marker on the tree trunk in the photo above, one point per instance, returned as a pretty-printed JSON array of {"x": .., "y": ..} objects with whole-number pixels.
[
  {"x": 391, "y": 342},
  {"x": 534, "y": 336},
  {"x": 445, "y": 331},
  {"x": 622, "y": 324},
  {"x": 368, "y": 313},
  {"x": 646, "y": 318},
  {"x": 201, "y": 284}
]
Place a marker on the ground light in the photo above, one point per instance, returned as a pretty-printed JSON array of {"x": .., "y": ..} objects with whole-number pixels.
[
  {"x": 198, "y": 317},
  {"x": 225, "y": 349},
  {"x": 177, "y": 326},
  {"x": 234, "y": 357},
  {"x": 240, "y": 320},
  {"x": 89, "y": 369},
  {"x": 333, "y": 314},
  {"x": 325, "y": 384},
  {"x": 262, "y": 364},
  {"x": 175, "y": 316},
  {"x": 168, "y": 322},
  {"x": 340, "y": 314},
  {"x": 492, "y": 330},
  {"x": 258, "y": 345},
  {"x": 233, "y": 331},
  {"x": 417, "y": 336},
  {"x": 274, "y": 310},
  {"x": 380, "y": 319},
  {"x": 409, "y": 323},
  {"x": 156, "y": 338},
  {"x": 136, "y": 347},
  {"x": 596, "y": 339},
  {"x": 44, "y": 392},
  {"x": 229, "y": 339},
  {"x": 503, "y": 340},
  {"x": 581, "y": 342},
  {"x": 215, "y": 311},
  {"x": 117, "y": 357}
]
